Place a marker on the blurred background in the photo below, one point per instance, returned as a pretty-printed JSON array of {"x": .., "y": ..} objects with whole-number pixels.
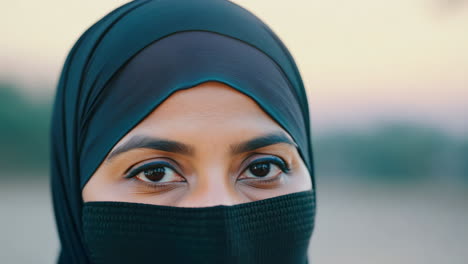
[{"x": 388, "y": 89}]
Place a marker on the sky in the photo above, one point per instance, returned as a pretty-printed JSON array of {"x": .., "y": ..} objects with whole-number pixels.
[{"x": 362, "y": 61}]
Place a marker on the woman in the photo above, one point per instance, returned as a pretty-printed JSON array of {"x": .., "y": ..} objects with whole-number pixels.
[{"x": 180, "y": 134}]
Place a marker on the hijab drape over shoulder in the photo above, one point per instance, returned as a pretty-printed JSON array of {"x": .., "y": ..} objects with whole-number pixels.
[{"x": 133, "y": 59}]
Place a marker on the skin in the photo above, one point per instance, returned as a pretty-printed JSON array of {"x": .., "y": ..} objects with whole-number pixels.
[{"x": 209, "y": 118}]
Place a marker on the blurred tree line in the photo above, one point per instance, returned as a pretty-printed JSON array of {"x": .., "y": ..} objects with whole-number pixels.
[
  {"x": 24, "y": 127},
  {"x": 396, "y": 152},
  {"x": 389, "y": 153}
]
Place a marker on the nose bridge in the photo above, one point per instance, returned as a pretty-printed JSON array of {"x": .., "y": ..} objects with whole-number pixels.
[{"x": 213, "y": 186}]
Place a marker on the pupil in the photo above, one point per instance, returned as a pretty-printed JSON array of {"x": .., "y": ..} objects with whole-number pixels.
[
  {"x": 155, "y": 174},
  {"x": 260, "y": 169}
]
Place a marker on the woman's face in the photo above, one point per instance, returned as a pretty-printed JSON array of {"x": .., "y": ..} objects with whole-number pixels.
[{"x": 204, "y": 146}]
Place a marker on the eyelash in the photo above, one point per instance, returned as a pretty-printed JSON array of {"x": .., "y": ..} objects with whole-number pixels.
[
  {"x": 150, "y": 165},
  {"x": 282, "y": 165}
]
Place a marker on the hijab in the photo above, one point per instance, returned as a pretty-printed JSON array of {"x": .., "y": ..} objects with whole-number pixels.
[{"x": 116, "y": 74}]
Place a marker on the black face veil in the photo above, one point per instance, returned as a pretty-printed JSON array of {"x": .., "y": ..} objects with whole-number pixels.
[{"x": 118, "y": 72}]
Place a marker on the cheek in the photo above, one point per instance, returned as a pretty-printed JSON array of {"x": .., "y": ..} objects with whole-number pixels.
[
  {"x": 303, "y": 179},
  {"x": 106, "y": 184},
  {"x": 298, "y": 180},
  {"x": 99, "y": 188}
]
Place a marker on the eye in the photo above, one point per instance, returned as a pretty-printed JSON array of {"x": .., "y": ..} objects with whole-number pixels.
[
  {"x": 265, "y": 168},
  {"x": 156, "y": 172}
]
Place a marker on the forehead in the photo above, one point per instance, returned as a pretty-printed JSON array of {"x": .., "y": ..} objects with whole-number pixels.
[{"x": 212, "y": 109}]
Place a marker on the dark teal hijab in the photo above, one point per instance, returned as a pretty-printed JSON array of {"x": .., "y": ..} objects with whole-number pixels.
[{"x": 134, "y": 58}]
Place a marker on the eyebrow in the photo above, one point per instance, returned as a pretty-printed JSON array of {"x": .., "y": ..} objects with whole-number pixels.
[
  {"x": 260, "y": 142},
  {"x": 145, "y": 142}
]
